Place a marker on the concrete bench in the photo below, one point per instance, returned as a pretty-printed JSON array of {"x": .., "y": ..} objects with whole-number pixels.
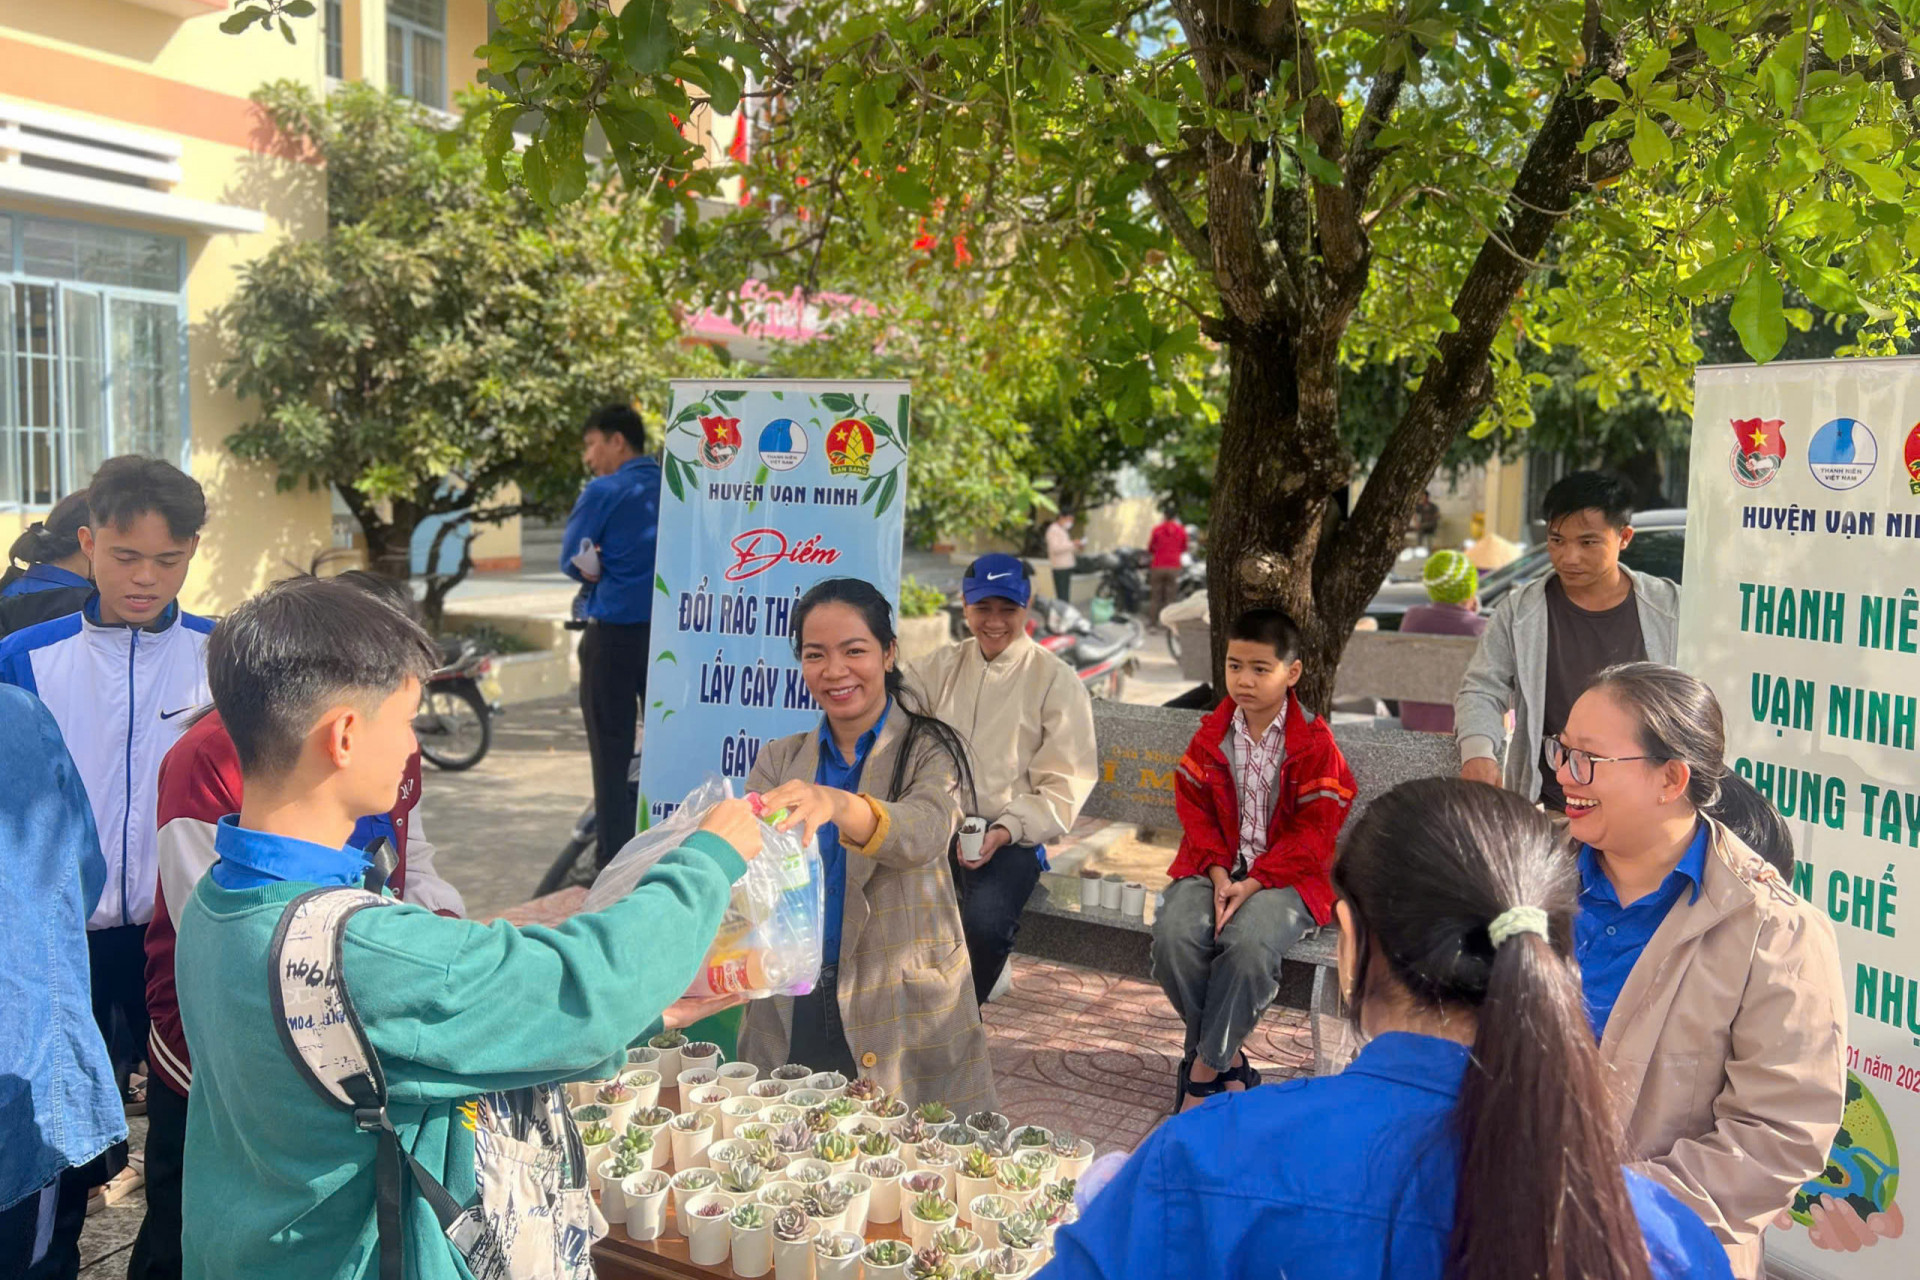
[
  {"x": 1396, "y": 665},
  {"x": 1140, "y": 748}
]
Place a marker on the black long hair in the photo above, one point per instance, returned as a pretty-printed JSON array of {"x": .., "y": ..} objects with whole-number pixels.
[
  {"x": 45, "y": 541},
  {"x": 1425, "y": 870},
  {"x": 922, "y": 725}
]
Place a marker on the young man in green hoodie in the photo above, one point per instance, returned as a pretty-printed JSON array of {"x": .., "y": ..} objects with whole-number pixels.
[{"x": 317, "y": 683}]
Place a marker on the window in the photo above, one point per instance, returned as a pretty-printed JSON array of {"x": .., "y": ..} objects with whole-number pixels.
[
  {"x": 1661, "y": 552},
  {"x": 330, "y": 21},
  {"x": 417, "y": 50},
  {"x": 92, "y": 353}
]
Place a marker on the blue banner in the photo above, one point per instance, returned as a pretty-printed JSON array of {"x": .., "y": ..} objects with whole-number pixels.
[{"x": 769, "y": 487}]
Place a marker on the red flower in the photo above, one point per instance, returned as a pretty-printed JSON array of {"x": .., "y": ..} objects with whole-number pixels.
[{"x": 960, "y": 255}]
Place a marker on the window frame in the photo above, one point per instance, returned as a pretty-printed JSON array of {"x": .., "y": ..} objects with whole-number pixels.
[{"x": 410, "y": 28}]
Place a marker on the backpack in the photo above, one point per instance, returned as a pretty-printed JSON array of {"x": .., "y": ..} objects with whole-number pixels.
[{"x": 534, "y": 1217}]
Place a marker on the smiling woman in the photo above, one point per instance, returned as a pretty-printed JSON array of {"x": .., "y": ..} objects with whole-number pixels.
[
  {"x": 1723, "y": 1028},
  {"x": 879, "y": 785}
]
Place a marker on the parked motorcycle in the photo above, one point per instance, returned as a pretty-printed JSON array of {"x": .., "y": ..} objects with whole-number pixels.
[
  {"x": 1101, "y": 654},
  {"x": 455, "y": 720}
]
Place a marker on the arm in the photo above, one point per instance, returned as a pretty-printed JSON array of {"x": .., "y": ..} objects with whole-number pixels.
[
  {"x": 1487, "y": 690},
  {"x": 914, "y": 829},
  {"x": 58, "y": 815},
  {"x": 1202, "y": 835},
  {"x": 425, "y": 887},
  {"x": 588, "y": 521},
  {"x": 1785, "y": 1088},
  {"x": 1061, "y": 774},
  {"x": 455, "y": 1008},
  {"x": 1303, "y": 845}
]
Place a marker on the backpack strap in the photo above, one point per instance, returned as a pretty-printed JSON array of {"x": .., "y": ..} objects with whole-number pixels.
[{"x": 322, "y": 1035}]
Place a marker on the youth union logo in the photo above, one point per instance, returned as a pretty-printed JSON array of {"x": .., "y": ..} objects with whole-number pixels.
[
  {"x": 1759, "y": 447},
  {"x": 1842, "y": 454},
  {"x": 850, "y": 448},
  {"x": 1913, "y": 459},
  {"x": 720, "y": 442},
  {"x": 783, "y": 444}
]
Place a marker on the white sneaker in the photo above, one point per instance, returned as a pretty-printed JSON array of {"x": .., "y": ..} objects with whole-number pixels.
[{"x": 1005, "y": 983}]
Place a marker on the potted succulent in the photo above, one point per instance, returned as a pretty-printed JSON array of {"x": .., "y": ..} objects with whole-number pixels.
[
  {"x": 859, "y": 1189},
  {"x": 809, "y": 1172},
  {"x": 831, "y": 1083},
  {"x": 935, "y": 1113},
  {"x": 930, "y": 1263},
  {"x": 963, "y": 1139},
  {"x": 701, "y": 1053},
  {"x": 591, "y": 1113},
  {"x": 709, "y": 1237},
  {"x": 1017, "y": 1181},
  {"x": 959, "y": 1244},
  {"x": 819, "y": 1120},
  {"x": 645, "y": 1056},
  {"x": 998, "y": 1144},
  {"x": 738, "y": 1076},
  {"x": 1055, "y": 1194},
  {"x": 768, "y": 1090},
  {"x": 860, "y": 1128},
  {"x": 926, "y": 1214},
  {"x": 988, "y": 1122},
  {"x": 805, "y": 1099},
  {"x": 841, "y": 1108},
  {"x": 619, "y": 1100},
  {"x": 695, "y": 1077},
  {"x": 638, "y": 1142},
  {"x": 1039, "y": 1159},
  {"x": 668, "y": 1045},
  {"x": 889, "y": 1111},
  {"x": 885, "y": 1173},
  {"x": 752, "y": 1240},
  {"x": 1023, "y": 1234},
  {"x": 987, "y": 1212},
  {"x": 793, "y": 1233},
  {"x": 827, "y": 1205},
  {"x": 837, "y": 1149},
  {"x": 706, "y": 1098},
  {"x": 1003, "y": 1264},
  {"x": 1075, "y": 1153},
  {"x": 741, "y": 1178},
  {"x": 792, "y": 1073},
  {"x": 780, "y": 1194},
  {"x": 887, "y": 1260},
  {"x": 594, "y": 1140},
  {"x": 692, "y": 1134},
  {"x": 864, "y": 1090},
  {"x": 611, "y": 1173},
  {"x": 653, "y": 1121},
  {"x": 736, "y": 1111},
  {"x": 770, "y": 1158},
  {"x": 645, "y": 1083},
  {"x": 975, "y": 1180},
  {"x": 912, "y": 1131},
  {"x": 881, "y": 1143},
  {"x": 836, "y": 1255},
  {"x": 580, "y": 1092},
  {"x": 754, "y": 1132},
  {"x": 921, "y": 1181},
  {"x": 780, "y": 1113},
  {"x": 793, "y": 1137},
  {"x": 646, "y": 1204},
  {"x": 686, "y": 1184},
  {"x": 1032, "y": 1135},
  {"x": 937, "y": 1156}
]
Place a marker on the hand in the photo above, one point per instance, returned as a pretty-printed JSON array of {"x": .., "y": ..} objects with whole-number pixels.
[
  {"x": 809, "y": 806},
  {"x": 1839, "y": 1228},
  {"x": 733, "y": 821},
  {"x": 1483, "y": 769},
  {"x": 688, "y": 1010},
  {"x": 1227, "y": 902},
  {"x": 996, "y": 839}
]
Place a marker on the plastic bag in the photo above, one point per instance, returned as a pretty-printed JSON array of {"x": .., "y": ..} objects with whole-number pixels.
[{"x": 769, "y": 941}]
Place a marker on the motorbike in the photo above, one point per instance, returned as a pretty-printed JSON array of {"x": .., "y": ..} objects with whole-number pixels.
[
  {"x": 1125, "y": 580},
  {"x": 455, "y": 722},
  {"x": 1101, "y": 654}
]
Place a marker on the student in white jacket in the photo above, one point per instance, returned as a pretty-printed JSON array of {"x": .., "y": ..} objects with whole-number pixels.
[{"x": 1028, "y": 722}]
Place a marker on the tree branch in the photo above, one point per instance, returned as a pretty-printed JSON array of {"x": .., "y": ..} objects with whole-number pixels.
[{"x": 1191, "y": 237}]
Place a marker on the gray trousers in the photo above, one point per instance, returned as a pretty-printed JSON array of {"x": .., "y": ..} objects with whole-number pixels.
[{"x": 1221, "y": 986}]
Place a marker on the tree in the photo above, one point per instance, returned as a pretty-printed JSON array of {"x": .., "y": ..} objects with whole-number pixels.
[
  {"x": 1439, "y": 183},
  {"x": 433, "y": 353}
]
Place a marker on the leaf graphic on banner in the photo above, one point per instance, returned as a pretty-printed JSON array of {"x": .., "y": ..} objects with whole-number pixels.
[
  {"x": 660, "y": 585},
  {"x": 666, "y": 655},
  {"x": 729, "y": 396},
  {"x": 779, "y": 395},
  {"x": 673, "y": 480},
  {"x": 881, "y": 429},
  {"x": 838, "y": 402},
  {"x": 900, "y": 416},
  {"x": 890, "y": 485}
]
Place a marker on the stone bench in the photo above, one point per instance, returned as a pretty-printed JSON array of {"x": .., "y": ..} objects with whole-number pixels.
[
  {"x": 1140, "y": 748},
  {"x": 1391, "y": 665}
]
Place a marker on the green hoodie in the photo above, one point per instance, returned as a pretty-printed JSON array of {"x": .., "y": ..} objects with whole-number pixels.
[{"x": 280, "y": 1183}]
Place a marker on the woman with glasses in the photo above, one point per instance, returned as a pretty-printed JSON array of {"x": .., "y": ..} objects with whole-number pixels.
[{"x": 1714, "y": 992}]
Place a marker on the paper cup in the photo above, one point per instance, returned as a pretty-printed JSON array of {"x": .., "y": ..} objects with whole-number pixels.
[
  {"x": 736, "y": 1111},
  {"x": 860, "y": 1199},
  {"x": 973, "y": 833},
  {"x": 793, "y": 1259},
  {"x": 752, "y": 1251},
  {"x": 1111, "y": 889},
  {"x": 709, "y": 1240},
  {"x": 645, "y": 1196}
]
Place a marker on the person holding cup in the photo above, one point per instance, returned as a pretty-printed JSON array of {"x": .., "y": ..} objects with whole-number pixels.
[{"x": 1028, "y": 722}]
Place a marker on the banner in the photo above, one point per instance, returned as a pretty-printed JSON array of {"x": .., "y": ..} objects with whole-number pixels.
[
  {"x": 1800, "y": 609},
  {"x": 768, "y": 488}
]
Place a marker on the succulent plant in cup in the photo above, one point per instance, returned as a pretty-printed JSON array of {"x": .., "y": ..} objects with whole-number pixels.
[
  {"x": 790, "y": 1225},
  {"x": 934, "y": 1152},
  {"x": 841, "y": 1108},
  {"x": 931, "y": 1206},
  {"x": 1001, "y": 1262},
  {"x": 882, "y": 1167},
  {"x": 1061, "y": 1191},
  {"x": 692, "y": 1121},
  {"x": 824, "y": 1200},
  {"x": 834, "y": 1148},
  {"x": 613, "y": 1094},
  {"x": 595, "y": 1135},
  {"x": 768, "y": 1157},
  {"x": 793, "y": 1137},
  {"x": 749, "y": 1217},
  {"x": 836, "y": 1244},
  {"x": 934, "y": 1112},
  {"x": 1038, "y": 1159},
  {"x": 696, "y": 1179},
  {"x": 627, "y": 1163},
  {"x": 820, "y": 1120},
  {"x": 925, "y": 1182},
  {"x": 653, "y": 1117},
  {"x": 592, "y": 1113},
  {"x": 879, "y": 1144},
  {"x": 741, "y": 1177},
  {"x": 988, "y": 1122},
  {"x": 980, "y": 1273},
  {"x": 865, "y": 1089},
  {"x": 1034, "y": 1136},
  {"x": 1022, "y": 1230},
  {"x": 636, "y": 1141},
  {"x": 667, "y": 1040},
  {"x": 912, "y": 1131},
  {"x": 955, "y": 1241},
  {"x": 887, "y": 1107},
  {"x": 701, "y": 1052},
  {"x": 780, "y": 1195},
  {"x": 998, "y": 1144},
  {"x": 758, "y": 1131},
  {"x": 930, "y": 1263},
  {"x": 977, "y": 1164},
  {"x": 712, "y": 1209},
  {"x": 888, "y": 1253},
  {"x": 1020, "y": 1179},
  {"x": 1066, "y": 1143}
]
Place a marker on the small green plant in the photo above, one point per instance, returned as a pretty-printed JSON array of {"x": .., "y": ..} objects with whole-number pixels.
[
  {"x": 1017, "y": 1177},
  {"x": 930, "y": 1264},
  {"x": 1037, "y": 1159},
  {"x": 638, "y": 1141},
  {"x": 1002, "y": 1262},
  {"x": 879, "y": 1143},
  {"x": 976, "y": 1273},
  {"x": 741, "y": 1177},
  {"x": 1021, "y": 1230},
  {"x": 653, "y": 1117},
  {"x": 958, "y": 1135},
  {"x": 841, "y": 1108},
  {"x": 1066, "y": 1143},
  {"x": 934, "y": 1152},
  {"x": 917, "y": 601},
  {"x": 931, "y": 1206},
  {"x": 1061, "y": 1192},
  {"x": 988, "y": 1122},
  {"x": 592, "y": 1113},
  {"x": 780, "y": 1195},
  {"x": 754, "y": 1133},
  {"x": 595, "y": 1135},
  {"x": 912, "y": 1131},
  {"x": 998, "y": 1145},
  {"x": 934, "y": 1112},
  {"x": 821, "y": 1120},
  {"x": 836, "y": 1244},
  {"x": 825, "y": 1200},
  {"x": 667, "y": 1040},
  {"x": 865, "y": 1089},
  {"x": 834, "y": 1148},
  {"x": 925, "y": 1181},
  {"x": 888, "y": 1253},
  {"x": 992, "y": 1208},
  {"x": 955, "y": 1241},
  {"x": 887, "y": 1107},
  {"x": 1034, "y": 1136},
  {"x": 790, "y": 1225},
  {"x": 810, "y": 1172},
  {"x": 769, "y": 1157},
  {"x": 767, "y": 1089},
  {"x": 692, "y": 1121},
  {"x": 695, "y": 1179},
  {"x": 978, "y": 1164},
  {"x": 627, "y": 1163},
  {"x": 879, "y": 1167},
  {"x": 749, "y": 1217}
]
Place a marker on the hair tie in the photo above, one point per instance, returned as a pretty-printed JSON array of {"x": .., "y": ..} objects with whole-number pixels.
[{"x": 1517, "y": 920}]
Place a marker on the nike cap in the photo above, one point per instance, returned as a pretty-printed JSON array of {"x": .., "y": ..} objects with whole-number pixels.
[{"x": 998, "y": 577}]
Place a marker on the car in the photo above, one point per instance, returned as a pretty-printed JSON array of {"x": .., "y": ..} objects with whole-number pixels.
[{"x": 1659, "y": 547}]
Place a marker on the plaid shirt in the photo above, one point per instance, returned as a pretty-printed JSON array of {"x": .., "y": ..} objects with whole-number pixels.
[{"x": 1256, "y": 770}]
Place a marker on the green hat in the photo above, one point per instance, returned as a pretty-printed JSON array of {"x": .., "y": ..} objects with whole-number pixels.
[{"x": 1450, "y": 578}]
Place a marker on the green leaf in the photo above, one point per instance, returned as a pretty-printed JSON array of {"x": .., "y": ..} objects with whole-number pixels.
[
  {"x": 534, "y": 168},
  {"x": 723, "y": 86},
  {"x": 729, "y": 396},
  {"x": 1817, "y": 218},
  {"x": 1324, "y": 171},
  {"x": 1717, "y": 276},
  {"x": 674, "y": 484},
  {"x": 1605, "y": 90},
  {"x": 240, "y": 19},
  {"x": 909, "y": 192},
  {"x": 838, "y": 402},
  {"x": 1162, "y": 117},
  {"x": 1752, "y": 205},
  {"x": 666, "y": 655},
  {"x": 1643, "y": 75},
  {"x": 871, "y": 120},
  {"x": 648, "y": 40},
  {"x": 1714, "y": 42},
  {"x": 1884, "y": 183},
  {"x": 660, "y": 585},
  {"x": 299, "y": 9},
  {"x": 1828, "y": 287},
  {"x": 286, "y": 29},
  {"x": 1757, "y": 314},
  {"x": 886, "y": 499},
  {"x": 1649, "y": 145}
]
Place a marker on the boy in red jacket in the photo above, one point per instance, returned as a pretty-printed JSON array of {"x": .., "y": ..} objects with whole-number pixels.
[{"x": 1261, "y": 793}]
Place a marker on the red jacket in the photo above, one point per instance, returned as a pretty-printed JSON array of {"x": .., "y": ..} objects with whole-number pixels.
[
  {"x": 1311, "y": 800},
  {"x": 199, "y": 785}
]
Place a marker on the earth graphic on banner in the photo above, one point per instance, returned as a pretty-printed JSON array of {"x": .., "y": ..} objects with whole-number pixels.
[{"x": 1863, "y": 1168}]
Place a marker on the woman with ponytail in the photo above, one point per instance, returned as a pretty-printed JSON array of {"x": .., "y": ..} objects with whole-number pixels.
[
  {"x": 1471, "y": 1139},
  {"x": 47, "y": 573},
  {"x": 882, "y": 785}
]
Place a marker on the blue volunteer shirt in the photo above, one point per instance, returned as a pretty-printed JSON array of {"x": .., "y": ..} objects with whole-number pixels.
[
  {"x": 1346, "y": 1177},
  {"x": 249, "y": 859},
  {"x": 1608, "y": 938},
  {"x": 620, "y": 514},
  {"x": 842, "y": 775},
  {"x": 45, "y": 577}
]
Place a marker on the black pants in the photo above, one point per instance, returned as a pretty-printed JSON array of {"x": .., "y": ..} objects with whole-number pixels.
[
  {"x": 819, "y": 1038},
  {"x": 1063, "y": 585},
  {"x": 117, "y": 965},
  {"x": 156, "y": 1251},
  {"x": 613, "y": 679},
  {"x": 65, "y": 1199},
  {"x": 991, "y": 900}
]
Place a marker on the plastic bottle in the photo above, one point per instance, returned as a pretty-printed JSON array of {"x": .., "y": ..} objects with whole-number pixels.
[{"x": 733, "y": 970}]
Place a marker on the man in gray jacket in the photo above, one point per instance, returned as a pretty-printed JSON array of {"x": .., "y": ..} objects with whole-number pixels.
[{"x": 1547, "y": 639}]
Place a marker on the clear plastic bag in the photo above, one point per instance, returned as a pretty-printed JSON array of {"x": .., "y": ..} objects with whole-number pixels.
[{"x": 769, "y": 941}]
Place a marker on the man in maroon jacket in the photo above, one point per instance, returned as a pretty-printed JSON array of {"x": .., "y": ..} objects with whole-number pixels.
[
  {"x": 199, "y": 785},
  {"x": 1261, "y": 792}
]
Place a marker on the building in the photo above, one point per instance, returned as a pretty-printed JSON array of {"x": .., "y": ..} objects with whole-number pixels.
[{"x": 135, "y": 177}]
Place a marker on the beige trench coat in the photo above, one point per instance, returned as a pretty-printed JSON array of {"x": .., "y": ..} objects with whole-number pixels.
[
  {"x": 1727, "y": 1049},
  {"x": 906, "y": 988}
]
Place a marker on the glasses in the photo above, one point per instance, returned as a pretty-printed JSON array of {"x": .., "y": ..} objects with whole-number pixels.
[{"x": 1580, "y": 763}]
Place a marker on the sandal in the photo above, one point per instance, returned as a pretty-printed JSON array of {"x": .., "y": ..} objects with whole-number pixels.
[
  {"x": 1244, "y": 1075},
  {"x": 1182, "y": 1083}
]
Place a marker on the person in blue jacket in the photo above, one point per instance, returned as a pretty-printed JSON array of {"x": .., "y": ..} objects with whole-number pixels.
[
  {"x": 609, "y": 546},
  {"x": 48, "y": 574},
  {"x": 60, "y": 1109},
  {"x": 1472, "y": 1138}
]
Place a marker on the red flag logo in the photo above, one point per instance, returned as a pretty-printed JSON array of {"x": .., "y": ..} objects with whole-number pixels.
[{"x": 1759, "y": 449}]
